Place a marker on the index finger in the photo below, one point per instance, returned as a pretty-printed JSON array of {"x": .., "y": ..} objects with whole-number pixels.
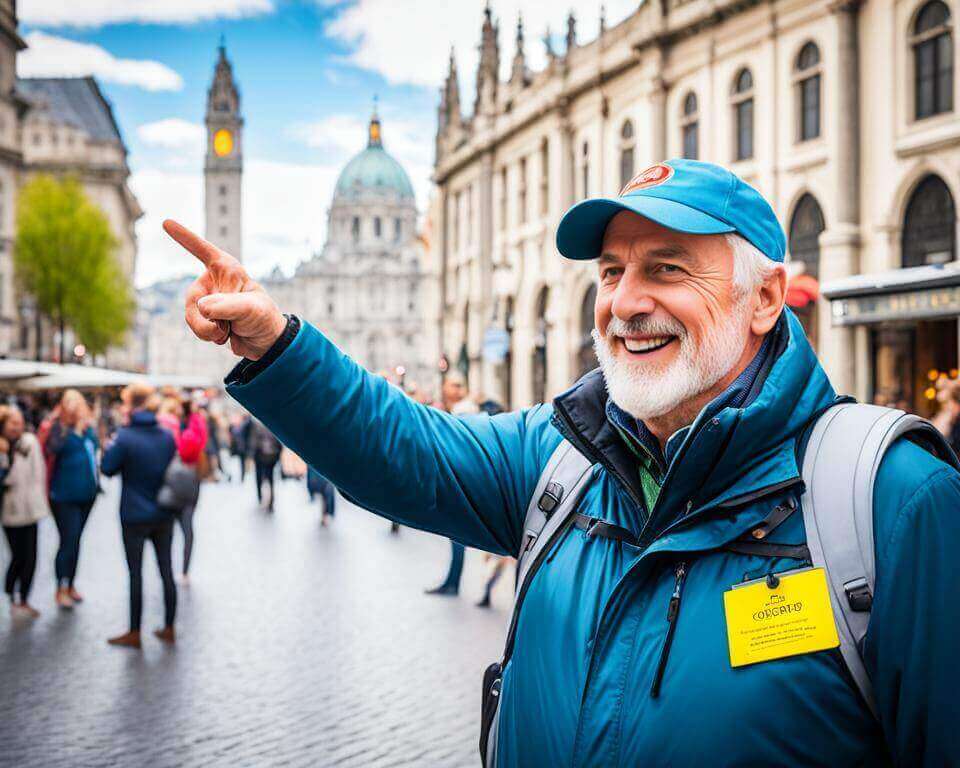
[{"x": 204, "y": 250}]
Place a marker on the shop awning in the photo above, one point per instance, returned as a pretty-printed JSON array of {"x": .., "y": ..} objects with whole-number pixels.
[
  {"x": 41, "y": 376},
  {"x": 801, "y": 290},
  {"x": 913, "y": 293}
]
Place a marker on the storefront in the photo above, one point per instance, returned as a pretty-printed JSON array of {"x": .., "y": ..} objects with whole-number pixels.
[{"x": 910, "y": 316}]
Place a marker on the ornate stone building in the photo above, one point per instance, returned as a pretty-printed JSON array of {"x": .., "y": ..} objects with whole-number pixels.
[
  {"x": 842, "y": 114},
  {"x": 364, "y": 289},
  {"x": 58, "y": 126}
]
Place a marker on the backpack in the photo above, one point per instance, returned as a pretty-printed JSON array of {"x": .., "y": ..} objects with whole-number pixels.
[{"x": 839, "y": 456}]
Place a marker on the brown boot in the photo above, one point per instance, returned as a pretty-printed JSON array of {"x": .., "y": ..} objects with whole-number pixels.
[
  {"x": 128, "y": 640},
  {"x": 63, "y": 598},
  {"x": 74, "y": 595},
  {"x": 166, "y": 635}
]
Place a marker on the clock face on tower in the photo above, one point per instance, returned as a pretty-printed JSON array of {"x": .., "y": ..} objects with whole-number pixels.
[{"x": 222, "y": 142}]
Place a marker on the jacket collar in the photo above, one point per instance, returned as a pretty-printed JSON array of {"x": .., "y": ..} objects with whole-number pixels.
[
  {"x": 729, "y": 453},
  {"x": 143, "y": 419}
]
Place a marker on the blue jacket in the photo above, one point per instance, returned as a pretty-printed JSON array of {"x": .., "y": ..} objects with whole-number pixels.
[
  {"x": 74, "y": 478},
  {"x": 141, "y": 453},
  {"x": 577, "y": 691}
]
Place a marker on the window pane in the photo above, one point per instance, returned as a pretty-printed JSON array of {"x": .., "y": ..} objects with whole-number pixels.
[
  {"x": 690, "y": 104},
  {"x": 690, "y": 141},
  {"x": 932, "y": 15},
  {"x": 810, "y": 108},
  {"x": 944, "y": 74},
  {"x": 745, "y": 129},
  {"x": 626, "y": 166},
  {"x": 924, "y": 63}
]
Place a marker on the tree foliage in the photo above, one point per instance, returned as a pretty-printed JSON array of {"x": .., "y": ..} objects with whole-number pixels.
[{"x": 65, "y": 258}]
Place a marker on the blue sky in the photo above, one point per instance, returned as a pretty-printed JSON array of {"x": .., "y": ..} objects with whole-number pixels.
[{"x": 307, "y": 71}]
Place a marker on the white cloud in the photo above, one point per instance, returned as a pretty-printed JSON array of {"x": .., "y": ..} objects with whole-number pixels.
[
  {"x": 173, "y": 133},
  {"x": 284, "y": 216},
  {"x": 51, "y": 56},
  {"x": 95, "y": 13},
  {"x": 398, "y": 46}
]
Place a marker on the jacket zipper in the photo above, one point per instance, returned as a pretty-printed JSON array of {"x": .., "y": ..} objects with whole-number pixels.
[{"x": 673, "y": 609}]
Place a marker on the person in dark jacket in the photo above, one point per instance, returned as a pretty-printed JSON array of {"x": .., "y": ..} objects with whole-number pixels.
[
  {"x": 71, "y": 447},
  {"x": 140, "y": 454},
  {"x": 266, "y": 453},
  {"x": 239, "y": 437}
]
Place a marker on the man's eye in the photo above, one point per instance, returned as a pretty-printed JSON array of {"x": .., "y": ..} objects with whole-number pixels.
[
  {"x": 610, "y": 273},
  {"x": 670, "y": 269}
]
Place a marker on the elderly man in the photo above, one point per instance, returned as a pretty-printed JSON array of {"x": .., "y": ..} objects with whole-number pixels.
[{"x": 628, "y": 647}]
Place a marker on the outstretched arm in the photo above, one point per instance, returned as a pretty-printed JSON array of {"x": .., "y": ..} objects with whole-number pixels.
[{"x": 469, "y": 478}]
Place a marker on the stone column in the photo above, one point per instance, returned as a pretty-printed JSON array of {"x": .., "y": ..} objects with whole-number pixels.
[{"x": 840, "y": 245}]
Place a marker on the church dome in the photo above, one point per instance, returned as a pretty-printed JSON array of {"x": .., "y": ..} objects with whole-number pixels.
[{"x": 373, "y": 170}]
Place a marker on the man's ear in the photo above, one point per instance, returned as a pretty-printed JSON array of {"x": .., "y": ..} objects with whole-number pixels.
[{"x": 770, "y": 299}]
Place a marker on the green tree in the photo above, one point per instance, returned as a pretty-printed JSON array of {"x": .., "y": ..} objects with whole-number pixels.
[{"x": 65, "y": 258}]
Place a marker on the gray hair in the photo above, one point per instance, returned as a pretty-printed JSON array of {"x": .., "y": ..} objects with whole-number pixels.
[{"x": 751, "y": 268}]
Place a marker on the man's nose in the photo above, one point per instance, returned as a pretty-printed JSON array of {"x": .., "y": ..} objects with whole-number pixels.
[{"x": 632, "y": 297}]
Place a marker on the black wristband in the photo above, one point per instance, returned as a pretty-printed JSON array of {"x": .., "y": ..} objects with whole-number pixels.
[{"x": 246, "y": 370}]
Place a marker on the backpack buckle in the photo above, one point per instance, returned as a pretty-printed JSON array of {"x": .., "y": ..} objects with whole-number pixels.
[
  {"x": 550, "y": 498},
  {"x": 858, "y": 595}
]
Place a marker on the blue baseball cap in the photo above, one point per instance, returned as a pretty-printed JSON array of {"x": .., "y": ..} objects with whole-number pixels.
[{"x": 684, "y": 195}]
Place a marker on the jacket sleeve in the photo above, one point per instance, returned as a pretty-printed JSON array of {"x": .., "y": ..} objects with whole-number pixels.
[
  {"x": 112, "y": 460},
  {"x": 469, "y": 478},
  {"x": 57, "y": 438},
  {"x": 911, "y": 646},
  {"x": 192, "y": 439}
]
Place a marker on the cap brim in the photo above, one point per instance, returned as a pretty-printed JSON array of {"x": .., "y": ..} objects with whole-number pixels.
[{"x": 581, "y": 230}]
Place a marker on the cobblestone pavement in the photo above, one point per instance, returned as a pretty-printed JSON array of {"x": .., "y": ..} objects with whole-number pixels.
[{"x": 298, "y": 646}]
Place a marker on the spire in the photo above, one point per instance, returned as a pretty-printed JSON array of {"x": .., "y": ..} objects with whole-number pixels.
[
  {"x": 571, "y": 32},
  {"x": 222, "y": 95},
  {"x": 373, "y": 131},
  {"x": 603, "y": 18},
  {"x": 452, "y": 91},
  {"x": 488, "y": 70},
  {"x": 518, "y": 72}
]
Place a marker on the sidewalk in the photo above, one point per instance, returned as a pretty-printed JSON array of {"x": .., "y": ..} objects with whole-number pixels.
[{"x": 298, "y": 646}]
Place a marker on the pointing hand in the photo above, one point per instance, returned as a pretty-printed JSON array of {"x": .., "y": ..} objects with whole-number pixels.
[{"x": 224, "y": 304}]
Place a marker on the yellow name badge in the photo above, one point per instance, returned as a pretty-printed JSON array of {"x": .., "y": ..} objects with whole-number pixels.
[{"x": 767, "y": 622}]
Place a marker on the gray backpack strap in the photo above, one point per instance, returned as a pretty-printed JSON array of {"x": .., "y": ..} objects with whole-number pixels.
[
  {"x": 562, "y": 481},
  {"x": 553, "y": 500},
  {"x": 840, "y": 466}
]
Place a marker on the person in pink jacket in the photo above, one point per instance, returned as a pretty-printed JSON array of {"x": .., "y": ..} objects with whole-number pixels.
[{"x": 189, "y": 430}]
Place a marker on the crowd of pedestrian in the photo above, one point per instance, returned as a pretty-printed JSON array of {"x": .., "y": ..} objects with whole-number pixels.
[{"x": 162, "y": 445}]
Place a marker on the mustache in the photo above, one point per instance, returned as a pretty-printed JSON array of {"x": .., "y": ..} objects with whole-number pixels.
[{"x": 653, "y": 326}]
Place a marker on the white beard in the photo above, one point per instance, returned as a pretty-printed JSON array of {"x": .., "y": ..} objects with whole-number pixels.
[{"x": 647, "y": 391}]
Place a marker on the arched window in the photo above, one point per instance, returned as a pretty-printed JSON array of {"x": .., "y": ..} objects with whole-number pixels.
[
  {"x": 627, "y": 143},
  {"x": 540, "y": 348},
  {"x": 932, "y": 42},
  {"x": 807, "y": 77},
  {"x": 929, "y": 225},
  {"x": 806, "y": 224},
  {"x": 586, "y": 359},
  {"x": 355, "y": 228},
  {"x": 742, "y": 101},
  {"x": 689, "y": 124},
  {"x": 585, "y": 170},
  {"x": 397, "y": 229}
]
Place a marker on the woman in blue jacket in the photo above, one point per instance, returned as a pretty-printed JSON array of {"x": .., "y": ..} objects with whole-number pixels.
[{"x": 72, "y": 444}]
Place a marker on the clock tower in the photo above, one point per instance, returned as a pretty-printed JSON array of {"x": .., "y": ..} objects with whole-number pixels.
[{"x": 223, "y": 168}]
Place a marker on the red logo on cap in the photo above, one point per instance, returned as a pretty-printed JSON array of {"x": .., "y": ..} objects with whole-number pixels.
[{"x": 651, "y": 177}]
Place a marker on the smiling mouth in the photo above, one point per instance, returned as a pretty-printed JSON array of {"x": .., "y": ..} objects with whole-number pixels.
[{"x": 646, "y": 346}]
